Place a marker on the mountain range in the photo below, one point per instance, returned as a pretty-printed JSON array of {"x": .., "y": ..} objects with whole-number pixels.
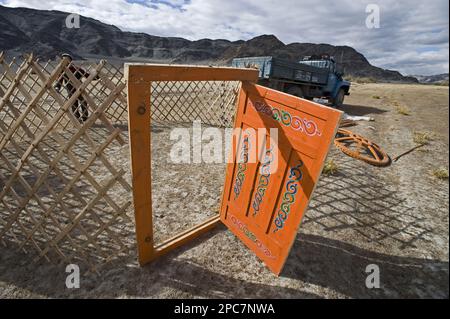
[
  {"x": 433, "y": 79},
  {"x": 45, "y": 33}
]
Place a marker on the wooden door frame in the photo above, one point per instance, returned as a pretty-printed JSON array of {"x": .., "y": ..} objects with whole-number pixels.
[{"x": 139, "y": 78}]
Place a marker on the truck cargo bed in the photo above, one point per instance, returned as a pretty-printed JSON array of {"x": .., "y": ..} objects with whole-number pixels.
[{"x": 274, "y": 68}]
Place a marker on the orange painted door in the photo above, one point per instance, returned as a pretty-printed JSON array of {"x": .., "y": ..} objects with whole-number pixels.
[{"x": 279, "y": 148}]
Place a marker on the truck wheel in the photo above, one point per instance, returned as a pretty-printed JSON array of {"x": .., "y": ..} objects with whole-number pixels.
[
  {"x": 339, "y": 100},
  {"x": 295, "y": 90}
]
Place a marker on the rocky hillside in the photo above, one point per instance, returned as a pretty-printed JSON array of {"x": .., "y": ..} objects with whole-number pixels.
[
  {"x": 44, "y": 33},
  {"x": 433, "y": 79}
]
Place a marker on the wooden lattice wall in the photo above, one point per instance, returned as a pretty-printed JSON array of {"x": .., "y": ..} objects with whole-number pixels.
[
  {"x": 60, "y": 193},
  {"x": 63, "y": 198}
]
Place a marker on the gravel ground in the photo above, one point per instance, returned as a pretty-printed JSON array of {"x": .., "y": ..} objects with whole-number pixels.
[{"x": 394, "y": 217}]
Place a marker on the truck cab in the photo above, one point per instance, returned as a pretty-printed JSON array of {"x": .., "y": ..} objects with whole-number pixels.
[{"x": 336, "y": 87}]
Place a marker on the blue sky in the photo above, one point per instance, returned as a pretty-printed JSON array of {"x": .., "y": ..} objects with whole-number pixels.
[{"x": 412, "y": 38}]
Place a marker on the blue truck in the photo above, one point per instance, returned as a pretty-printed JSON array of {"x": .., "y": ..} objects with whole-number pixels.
[{"x": 312, "y": 77}]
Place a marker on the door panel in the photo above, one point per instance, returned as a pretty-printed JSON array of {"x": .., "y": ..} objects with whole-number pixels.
[{"x": 268, "y": 185}]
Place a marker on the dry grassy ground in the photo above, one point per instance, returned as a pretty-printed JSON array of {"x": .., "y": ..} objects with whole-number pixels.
[{"x": 395, "y": 217}]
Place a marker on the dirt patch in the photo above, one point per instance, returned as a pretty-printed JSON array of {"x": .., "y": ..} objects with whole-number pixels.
[{"x": 394, "y": 217}]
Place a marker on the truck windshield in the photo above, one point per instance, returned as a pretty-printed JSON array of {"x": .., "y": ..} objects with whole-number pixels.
[{"x": 318, "y": 64}]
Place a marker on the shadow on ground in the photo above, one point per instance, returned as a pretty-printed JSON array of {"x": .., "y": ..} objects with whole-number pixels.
[
  {"x": 341, "y": 266},
  {"x": 360, "y": 110},
  {"x": 355, "y": 219},
  {"x": 314, "y": 260},
  {"x": 360, "y": 219},
  {"x": 167, "y": 277}
]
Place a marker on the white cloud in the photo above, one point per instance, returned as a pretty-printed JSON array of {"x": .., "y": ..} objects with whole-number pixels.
[{"x": 413, "y": 36}]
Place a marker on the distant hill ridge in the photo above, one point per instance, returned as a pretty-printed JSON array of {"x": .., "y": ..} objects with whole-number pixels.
[
  {"x": 44, "y": 33},
  {"x": 432, "y": 79}
]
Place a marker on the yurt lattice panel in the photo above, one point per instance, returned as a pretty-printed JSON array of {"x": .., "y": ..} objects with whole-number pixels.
[{"x": 62, "y": 197}]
